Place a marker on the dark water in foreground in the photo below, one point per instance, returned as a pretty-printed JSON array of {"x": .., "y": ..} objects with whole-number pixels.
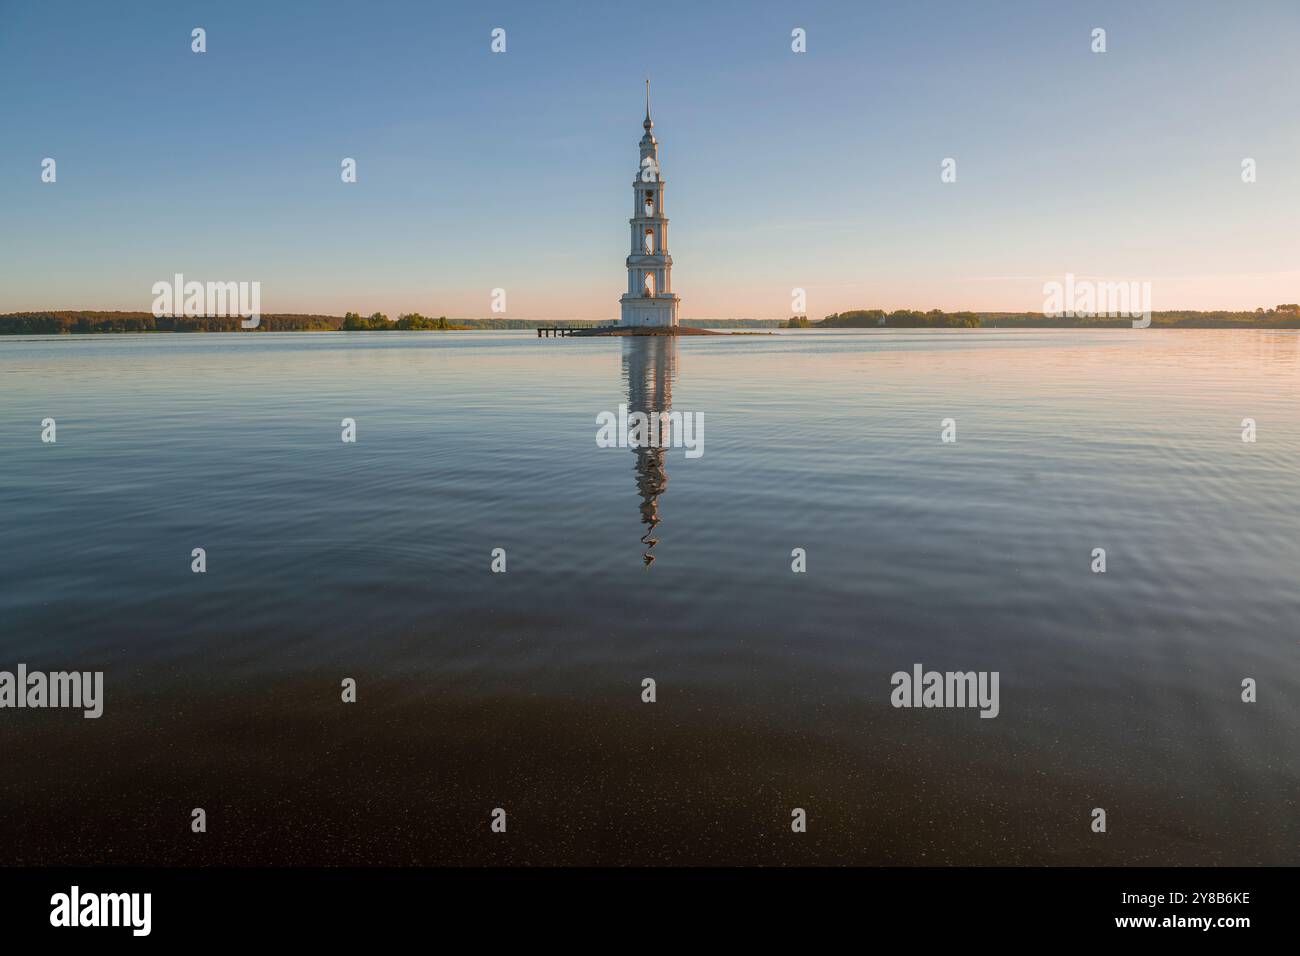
[{"x": 523, "y": 690}]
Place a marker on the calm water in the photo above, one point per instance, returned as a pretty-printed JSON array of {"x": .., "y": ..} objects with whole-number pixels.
[{"x": 522, "y": 690}]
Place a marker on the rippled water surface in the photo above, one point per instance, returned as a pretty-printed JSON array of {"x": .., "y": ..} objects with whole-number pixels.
[{"x": 522, "y": 690}]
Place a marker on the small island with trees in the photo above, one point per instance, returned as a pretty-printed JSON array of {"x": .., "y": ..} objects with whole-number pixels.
[{"x": 411, "y": 322}]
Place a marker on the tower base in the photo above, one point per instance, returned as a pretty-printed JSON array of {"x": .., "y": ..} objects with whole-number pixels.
[{"x": 658, "y": 311}]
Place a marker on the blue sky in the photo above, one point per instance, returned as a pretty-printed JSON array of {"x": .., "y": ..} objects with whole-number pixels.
[{"x": 479, "y": 170}]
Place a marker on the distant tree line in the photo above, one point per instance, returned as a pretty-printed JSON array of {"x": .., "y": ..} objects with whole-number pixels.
[
  {"x": 1286, "y": 316},
  {"x": 81, "y": 322},
  {"x": 1283, "y": 316},
  {"x": 733, "y": 323},
  {"x": 901, "y": 319},
  {"x": 56, "y": 323}
]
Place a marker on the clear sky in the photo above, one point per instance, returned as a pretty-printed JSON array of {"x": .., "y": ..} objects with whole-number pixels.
[{"x": 817, "y": 170}]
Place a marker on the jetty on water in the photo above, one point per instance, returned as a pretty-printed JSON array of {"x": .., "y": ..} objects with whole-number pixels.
[
  {"x": 556, "y": 331},
  {"x": 566, "y": 331}
]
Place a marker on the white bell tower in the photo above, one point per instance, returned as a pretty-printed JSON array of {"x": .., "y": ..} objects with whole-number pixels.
[{"x": 649, "y": 300}]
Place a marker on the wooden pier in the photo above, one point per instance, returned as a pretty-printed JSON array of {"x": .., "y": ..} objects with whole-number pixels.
[{"x": 556, "y": 331}]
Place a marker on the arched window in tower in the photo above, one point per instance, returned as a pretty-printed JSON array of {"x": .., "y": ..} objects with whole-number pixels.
[
  {"x": 649, "y": 203},
  {"x": 648, "y": 243},
  {"x": 648, "y": 287}
]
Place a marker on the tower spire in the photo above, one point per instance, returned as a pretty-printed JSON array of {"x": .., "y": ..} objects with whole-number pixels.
[{"x": 648, "y": 121}]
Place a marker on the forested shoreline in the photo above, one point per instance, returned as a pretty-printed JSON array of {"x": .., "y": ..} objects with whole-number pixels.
[{"x": 77, "y": 322}]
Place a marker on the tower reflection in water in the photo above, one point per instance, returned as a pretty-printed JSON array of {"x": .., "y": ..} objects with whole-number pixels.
[{"x": 649, "y": 368}]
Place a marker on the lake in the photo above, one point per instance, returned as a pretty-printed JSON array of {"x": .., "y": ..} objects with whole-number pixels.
[{"x": 373, "y": 560}]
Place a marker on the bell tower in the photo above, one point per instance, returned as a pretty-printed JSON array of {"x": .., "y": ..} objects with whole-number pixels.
[{"x": 649, "y": 299}]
